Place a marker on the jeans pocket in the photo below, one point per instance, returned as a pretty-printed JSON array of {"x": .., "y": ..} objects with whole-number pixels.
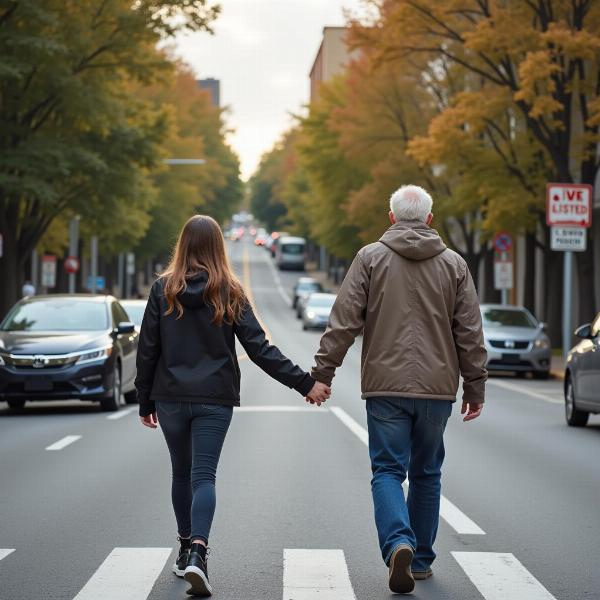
[
  {"x": 387, "y": 409},
  {"x": 168, "y": 408},
  {"x": 438, "y": 412}
]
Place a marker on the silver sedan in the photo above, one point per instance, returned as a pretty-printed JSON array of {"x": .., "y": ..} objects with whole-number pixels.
[{"x": 515, "y": 340}]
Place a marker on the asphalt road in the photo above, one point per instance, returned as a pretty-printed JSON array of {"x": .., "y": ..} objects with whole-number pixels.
[{"x": 92, "y": 519}]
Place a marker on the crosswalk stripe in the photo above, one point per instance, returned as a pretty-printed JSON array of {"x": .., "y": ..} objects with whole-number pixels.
[
  {"x": 126, "y": 574},
  {"x": 448, "y": 511},
  {"x": 64, "y": 442},
  {"x": 121, "y": 413},
  {"x": 500, "y": 576},
  {"x": 280, "y": 408},
  {"x": 4, "y": 552},
  {"x": 316, "y": 575}
]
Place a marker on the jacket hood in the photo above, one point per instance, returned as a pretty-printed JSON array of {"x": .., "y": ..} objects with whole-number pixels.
[
  {"x": 413, "y": 240},
  {"x": 193, "y": 295}
]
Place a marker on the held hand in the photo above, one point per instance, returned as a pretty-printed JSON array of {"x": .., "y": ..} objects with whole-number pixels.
[
  {"x": 150, "y": 421},
  {"x": 472, "y": 410},
  {"x": 319, "y": 393}
]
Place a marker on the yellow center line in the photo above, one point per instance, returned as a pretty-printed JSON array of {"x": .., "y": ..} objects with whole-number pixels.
[{"x": 248, "y": 290}]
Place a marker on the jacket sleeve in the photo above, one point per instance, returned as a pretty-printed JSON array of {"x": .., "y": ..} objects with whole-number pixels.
[
  {"x": 268, "y": 357},
  {"x": 148, "y": 352},
  {"x": 346, "y": 321},
  {"x": 468, "y": 339}
]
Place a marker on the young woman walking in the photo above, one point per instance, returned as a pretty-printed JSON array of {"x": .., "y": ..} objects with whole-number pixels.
[{"x": 188, "y": 378}]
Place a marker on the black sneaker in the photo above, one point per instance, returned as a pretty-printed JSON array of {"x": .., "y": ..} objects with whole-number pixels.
[
  {"x": 196, "y": 572},
  {"x": 182, "y": 559}
]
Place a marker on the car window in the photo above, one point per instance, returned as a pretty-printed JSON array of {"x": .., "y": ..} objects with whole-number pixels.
[
  {"x": 61, "y": 314},
  {"x": 498, "y": 317},
  {"x": 320, "y": 302},
  {"x": 310, "y": 286},
  {"x": 118, "y": 313},
  {"x": 292, "y": 248},
  {"x": 135, "y": 312}
]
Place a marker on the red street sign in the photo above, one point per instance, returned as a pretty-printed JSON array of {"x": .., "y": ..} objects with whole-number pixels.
[
  {"x": 569, "y": 204},
  {"x": 71, "y": 264},
  {"x": 503, "y": 241}
]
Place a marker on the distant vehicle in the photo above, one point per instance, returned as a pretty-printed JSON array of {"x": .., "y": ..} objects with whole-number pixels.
[
  {"x": 135, "y": 310},
  {"x": 304, "y": 287},
  {"x": 261, "y": 238},
  {"x": 317, "y": 310},
  {"x": 515, "y": 341},
  {"x": 68, "y": 347},
  {"x": 275, "y": 236},
  {"x": 582, "y": 375},
  {"x": 289, "y": 253}
]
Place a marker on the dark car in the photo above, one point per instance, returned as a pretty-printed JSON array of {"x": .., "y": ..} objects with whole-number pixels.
[
  {"x": 68, "y": 347},
  {"x": 582, "y": 375},
  {"x": 305, "y": 286}
]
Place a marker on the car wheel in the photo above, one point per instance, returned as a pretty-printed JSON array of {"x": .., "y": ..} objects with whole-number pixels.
[
  {"x": 541, "y": 375},
  {"x": 304, "y": 327},
  {"x": 16, "y": 404},
  {"x": 295, "y": 303},
  {"x": 521, "y": 374},
  {"x": 130, "y": 397},
  {"x": 113, "y": 402},
  {"x": 575, "y": 417}
]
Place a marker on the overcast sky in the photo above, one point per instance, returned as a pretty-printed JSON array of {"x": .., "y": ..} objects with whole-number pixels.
[{"x": 262, "y": 52}]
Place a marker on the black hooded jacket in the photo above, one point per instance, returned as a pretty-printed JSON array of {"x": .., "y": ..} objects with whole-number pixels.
[{"x": 195, "y": 360}]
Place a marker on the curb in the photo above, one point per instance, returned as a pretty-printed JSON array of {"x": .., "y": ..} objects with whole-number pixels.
[{"x": 555, "y": 374}]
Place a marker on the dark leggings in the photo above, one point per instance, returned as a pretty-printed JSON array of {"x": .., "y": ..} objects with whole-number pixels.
[{"x": 195, "y": 434}]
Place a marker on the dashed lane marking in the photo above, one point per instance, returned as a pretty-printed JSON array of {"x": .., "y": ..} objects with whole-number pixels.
[
  {"x": 513, "y": 387},
  {"x": 316, "y": 575},
  {"x": 126, "y": 574},
  {"x": 286, "y": 297},
  {"x": 121, "y": 413},
  {"x": 500, "y": 576},
  {"x": 4, "y": 552},
  {"x": 248, "y": 290},
  {"x": 448, "y": 511},
  {"x": 64, "y": 442}
]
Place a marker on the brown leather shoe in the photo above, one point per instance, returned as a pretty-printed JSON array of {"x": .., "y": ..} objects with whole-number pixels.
[
  {"x": 419, "y": 575},
  {"x": 401, "y": 579}
]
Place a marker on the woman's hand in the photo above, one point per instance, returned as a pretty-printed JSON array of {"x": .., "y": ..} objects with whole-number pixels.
[
  {"x": 150, "y": 421},
  {"x": 319, "y": 393}
]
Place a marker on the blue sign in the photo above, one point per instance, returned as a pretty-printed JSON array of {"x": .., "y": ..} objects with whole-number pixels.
[{"x": 100, "y": 282}]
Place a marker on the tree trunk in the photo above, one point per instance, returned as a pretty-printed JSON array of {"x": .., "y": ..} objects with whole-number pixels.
[
  {"x": 530, "y": 272},
  {"x": 554, "y": 294},
  {"x": 585, "y": 279},
  {"x": 490, "y": 295},
  {"x": 11, "y": 277}
]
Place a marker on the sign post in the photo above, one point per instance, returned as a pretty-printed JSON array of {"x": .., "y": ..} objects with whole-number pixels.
[
  {"x": 48, "y": 271},
  {"x": 568, "y": 213},
  {"x": 503, "y": 268},
  {"x": 73, "y": 251}
]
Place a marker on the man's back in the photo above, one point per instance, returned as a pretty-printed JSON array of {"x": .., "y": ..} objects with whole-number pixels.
[{"x": 416, "y": 303}]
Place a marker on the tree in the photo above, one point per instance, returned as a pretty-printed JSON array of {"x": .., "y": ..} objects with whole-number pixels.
[
  {"x": 72, "y": 140},
  {"x": 543, "y": 56}
]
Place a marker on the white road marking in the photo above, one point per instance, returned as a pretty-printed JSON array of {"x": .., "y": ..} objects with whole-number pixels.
[
  {"x": 316, "y": 575},
  {"x": 278, "y": 408},
  {"x": 64, "y": 442},
  {"x": 121, "y": 413},
  {"x": 500, "y": 576},
  {"x": 286, "y": 297},
  {"x": 448, "y": 511},
  {"x": 126, "y": 574},
  {"x": 4, "y": 552},
  {"x": 513, "y": 387}
]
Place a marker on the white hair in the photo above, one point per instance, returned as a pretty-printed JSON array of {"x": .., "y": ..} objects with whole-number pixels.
[{"x": 411, "y": 203}]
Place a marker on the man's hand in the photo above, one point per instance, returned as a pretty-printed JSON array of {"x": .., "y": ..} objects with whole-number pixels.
[
  {"x": 319, "y": 393},
  {"x": 150, "y": 421},
  {"x": 472, "y": 410}
]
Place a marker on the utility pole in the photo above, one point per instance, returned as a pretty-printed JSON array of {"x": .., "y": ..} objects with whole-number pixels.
[
  {"x": 94, "y": 263},
  {"x": 73, "y": 248}
]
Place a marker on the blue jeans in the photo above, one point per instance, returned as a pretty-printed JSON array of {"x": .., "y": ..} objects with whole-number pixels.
[
  {"x": 195, "y": 434},
  {"x": 406, "y": 436}
]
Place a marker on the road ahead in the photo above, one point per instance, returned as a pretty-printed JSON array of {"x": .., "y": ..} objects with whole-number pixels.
[{"x": 85, "y": 497}]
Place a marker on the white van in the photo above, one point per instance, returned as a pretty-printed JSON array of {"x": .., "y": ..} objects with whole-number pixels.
[{"x": 290, "y": 253}]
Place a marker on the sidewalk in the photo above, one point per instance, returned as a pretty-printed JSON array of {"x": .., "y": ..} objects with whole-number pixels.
[{"x": 557, "y": 367}]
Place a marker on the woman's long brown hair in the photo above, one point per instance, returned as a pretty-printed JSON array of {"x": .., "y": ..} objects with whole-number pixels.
[{"x": 201, "y": 247}]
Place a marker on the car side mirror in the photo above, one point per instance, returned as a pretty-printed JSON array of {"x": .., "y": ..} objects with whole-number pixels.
[
  {"x": 124, "y": 328},
  {"x": 543, "y": 325},
  {"x": 584, "y": 332}
]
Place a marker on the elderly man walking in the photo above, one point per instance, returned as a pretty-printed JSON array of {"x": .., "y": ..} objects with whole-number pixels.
[{"x": 415, "y": 302}]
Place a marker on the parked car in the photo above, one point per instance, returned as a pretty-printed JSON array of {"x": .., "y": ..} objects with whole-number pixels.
[
  {"x": 135, "y": 311},
  {"x": 515, "y": 341},
  {"x": 68, "y": 347},
  {"x": 305, "y": 286},
  {"x": 317, "y": 310},
  {"x": 289, "y": 253},
  {"x": 582, "y": 375}
]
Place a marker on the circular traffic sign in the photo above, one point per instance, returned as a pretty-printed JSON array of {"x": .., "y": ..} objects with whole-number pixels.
[
  {"x": 503, "y": 241},
  {"x": 71, "y": 264}
]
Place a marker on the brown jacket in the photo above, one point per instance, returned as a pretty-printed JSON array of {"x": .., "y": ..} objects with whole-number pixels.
[{"x": 415, "y": 302}]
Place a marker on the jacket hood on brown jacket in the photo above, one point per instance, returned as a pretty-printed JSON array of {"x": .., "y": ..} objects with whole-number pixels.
[{"x": 413, "y": 240}]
